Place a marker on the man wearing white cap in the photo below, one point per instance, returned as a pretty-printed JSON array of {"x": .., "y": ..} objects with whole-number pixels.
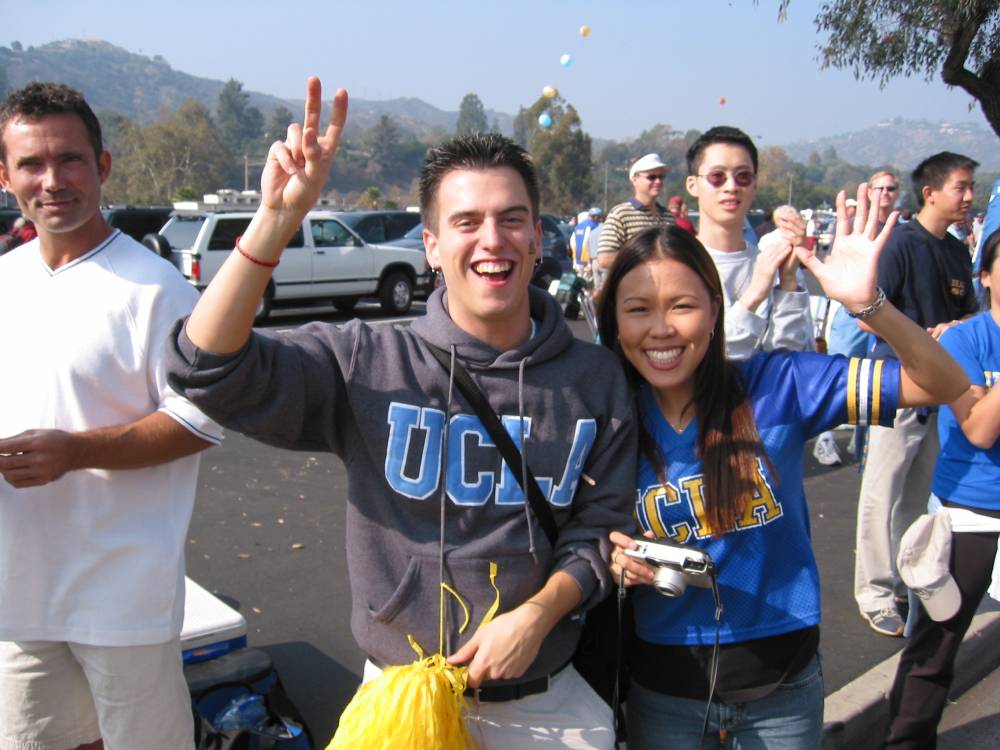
[{"x": 640, "y": 212}]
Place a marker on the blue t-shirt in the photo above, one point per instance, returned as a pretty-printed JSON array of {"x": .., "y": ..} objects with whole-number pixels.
[
  {"x": 964, "y": 473},
  {"x": 767, "y": 572}
]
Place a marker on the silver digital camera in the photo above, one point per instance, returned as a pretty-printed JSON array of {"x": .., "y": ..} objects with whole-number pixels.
[{"x": 676, "y": 565}]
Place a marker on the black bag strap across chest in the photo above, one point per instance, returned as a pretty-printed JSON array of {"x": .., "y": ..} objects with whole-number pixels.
[{"x": 504, "y": 442}]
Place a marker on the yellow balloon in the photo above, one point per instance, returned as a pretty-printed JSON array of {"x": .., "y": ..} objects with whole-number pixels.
[
  {"x": 549, "y": 92},
  {"x": 585, "y": 30}
]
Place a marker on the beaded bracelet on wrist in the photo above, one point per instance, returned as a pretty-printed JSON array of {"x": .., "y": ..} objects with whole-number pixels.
[{"x": 254, "y": 259}]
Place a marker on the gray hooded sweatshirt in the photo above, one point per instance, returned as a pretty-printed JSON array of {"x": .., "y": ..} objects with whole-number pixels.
[{"x": 377, "y": 398}]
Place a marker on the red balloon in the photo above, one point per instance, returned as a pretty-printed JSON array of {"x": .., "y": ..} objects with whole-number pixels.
[{"x": 722, "y": 100}]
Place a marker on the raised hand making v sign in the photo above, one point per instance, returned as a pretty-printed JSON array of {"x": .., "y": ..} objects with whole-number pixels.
[{"x": 293, "y": 177}]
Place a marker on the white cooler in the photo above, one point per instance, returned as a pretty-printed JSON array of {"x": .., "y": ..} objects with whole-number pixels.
[{"x": 211, "y": 628}]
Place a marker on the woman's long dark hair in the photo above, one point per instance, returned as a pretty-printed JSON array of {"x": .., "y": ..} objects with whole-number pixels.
[{"x": 728, "y": 442}]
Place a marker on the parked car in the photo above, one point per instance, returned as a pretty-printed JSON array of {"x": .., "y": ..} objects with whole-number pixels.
[
  {"x": 325, "y": 260},
  {"x": 7, "y": 218},
  {"x": 380, "y": 226},
  {"x": 556, "y": 259},
  {"x": 413, "y": 239},
  {"x": 137, "y": 221}
]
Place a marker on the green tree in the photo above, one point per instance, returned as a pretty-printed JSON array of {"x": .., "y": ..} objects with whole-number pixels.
[
  {"x": 240, "y": 124},
  {"x": 471, "y": 116},
  {"x": 183, "y": 154},
  {"x": 521, "y": 128},
  {"x": 371, "y": 197},
  {"x": 382, "y": 140},
  {"x": 562, "y": 155},
  {"x": 118, "y": 134},
  {"x": 277, "y": 127},
  {"x": 882, "y": 39}
]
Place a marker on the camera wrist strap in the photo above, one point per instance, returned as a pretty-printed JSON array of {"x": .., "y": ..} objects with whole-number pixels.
[{"x": 504, "y": 442}]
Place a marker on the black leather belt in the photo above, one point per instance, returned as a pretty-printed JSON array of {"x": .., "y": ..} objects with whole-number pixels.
[{"x": 501, "y": 693}]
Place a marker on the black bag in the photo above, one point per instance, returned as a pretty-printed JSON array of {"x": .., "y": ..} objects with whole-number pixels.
[
  {"x": 244, "y": 680},
  {"x": 600, "y": 656}
]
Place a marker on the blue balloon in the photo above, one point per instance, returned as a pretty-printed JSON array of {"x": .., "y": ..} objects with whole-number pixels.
[
  {"x": 544, "y": 120},
  {"x": 565, "y": 61}
]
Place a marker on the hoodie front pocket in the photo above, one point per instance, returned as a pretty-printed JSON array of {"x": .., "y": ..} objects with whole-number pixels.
[{"x": 388, "y": 611}]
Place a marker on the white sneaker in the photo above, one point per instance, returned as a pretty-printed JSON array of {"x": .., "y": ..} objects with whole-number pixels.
[{"x": 825, "y": 450}]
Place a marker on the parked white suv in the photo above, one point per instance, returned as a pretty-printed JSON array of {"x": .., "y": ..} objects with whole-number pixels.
[{"x": 325, "y": 260}]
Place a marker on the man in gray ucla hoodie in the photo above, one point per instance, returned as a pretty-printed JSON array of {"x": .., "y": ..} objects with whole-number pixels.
[{"x": 430, "y": 499}]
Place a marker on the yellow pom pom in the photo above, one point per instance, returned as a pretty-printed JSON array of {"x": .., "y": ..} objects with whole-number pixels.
[{"x": 412, "y": 707}]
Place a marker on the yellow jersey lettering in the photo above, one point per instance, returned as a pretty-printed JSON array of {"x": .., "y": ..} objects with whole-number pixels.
[
  {"x": 694, "y": 489},
  {"x": 764, "y": 507}
]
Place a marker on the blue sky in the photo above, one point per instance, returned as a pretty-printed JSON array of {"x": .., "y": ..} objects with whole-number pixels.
[{"x": 666, "y": 61}]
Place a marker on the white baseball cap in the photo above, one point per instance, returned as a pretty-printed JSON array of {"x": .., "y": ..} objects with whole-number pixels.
[
  {"x": 647, "y": 163},
  {"x": 923, "y": 560}
]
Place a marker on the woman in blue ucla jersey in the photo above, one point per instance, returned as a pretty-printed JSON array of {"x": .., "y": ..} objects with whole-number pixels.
[
  {"x": 965, "y": 484},
  {"x": 721, "y": 470}
]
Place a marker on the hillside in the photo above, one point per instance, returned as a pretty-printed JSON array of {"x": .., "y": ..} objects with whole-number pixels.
[
  {"x": 904, "y": 143},
  {"x": 144, "y": 88}
]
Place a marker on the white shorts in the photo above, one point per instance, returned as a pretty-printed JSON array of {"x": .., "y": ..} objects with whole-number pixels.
[
  {"x": 57, "y": 695},
  {"x": 568, "y": 715}
]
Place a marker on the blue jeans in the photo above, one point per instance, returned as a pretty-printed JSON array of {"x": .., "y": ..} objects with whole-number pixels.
[{"x": 790, "y": 718}]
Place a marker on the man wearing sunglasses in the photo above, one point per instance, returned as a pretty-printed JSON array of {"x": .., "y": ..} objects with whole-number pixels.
[
  {"x": 640, "y": 212},
  {"x": 722, "y": 176}
]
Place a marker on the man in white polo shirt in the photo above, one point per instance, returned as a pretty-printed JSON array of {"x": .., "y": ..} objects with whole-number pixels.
[{"x": 97, "y": 454}]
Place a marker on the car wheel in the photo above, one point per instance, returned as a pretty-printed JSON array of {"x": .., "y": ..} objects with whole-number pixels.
[
  {"x": 345, "y": 304},
  {"x": 396, "y": 293},
  {"x": 264, "y": 305},
  {"x": 158, "y": 244}
]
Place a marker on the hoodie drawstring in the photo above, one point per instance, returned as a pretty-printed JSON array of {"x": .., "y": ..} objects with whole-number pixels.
[
  {"x": 444, "y": 505},
  {"x": 524, "y": 455}
]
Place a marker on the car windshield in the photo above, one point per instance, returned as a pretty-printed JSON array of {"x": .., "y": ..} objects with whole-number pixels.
[
  {"x": 417, "y": 233},
  {"x": 182, "y": 231}
]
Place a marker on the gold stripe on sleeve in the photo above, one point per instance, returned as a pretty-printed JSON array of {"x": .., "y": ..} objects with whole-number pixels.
[{"x": 852, "y": 391}]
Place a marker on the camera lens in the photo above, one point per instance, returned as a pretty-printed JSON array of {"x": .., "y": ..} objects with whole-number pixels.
[{"x": 669, "y": 581}]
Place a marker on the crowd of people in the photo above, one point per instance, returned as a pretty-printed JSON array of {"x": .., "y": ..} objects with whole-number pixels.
[{"x": 687, "y": 424}]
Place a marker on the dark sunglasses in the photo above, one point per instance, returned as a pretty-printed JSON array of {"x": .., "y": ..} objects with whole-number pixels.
[
  {"x": 656, "y": 177},
  {"x": 743, "y": 178},
  {"x": 888, "y": 188}
]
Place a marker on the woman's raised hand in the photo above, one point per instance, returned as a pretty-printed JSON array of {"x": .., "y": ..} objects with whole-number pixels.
[{"x": 850, "y": 272}]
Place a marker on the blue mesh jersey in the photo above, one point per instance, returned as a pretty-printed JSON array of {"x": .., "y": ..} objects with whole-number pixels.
[
  {"x": 964, "y": 473},
  {"x": 768, "y": 579}
]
